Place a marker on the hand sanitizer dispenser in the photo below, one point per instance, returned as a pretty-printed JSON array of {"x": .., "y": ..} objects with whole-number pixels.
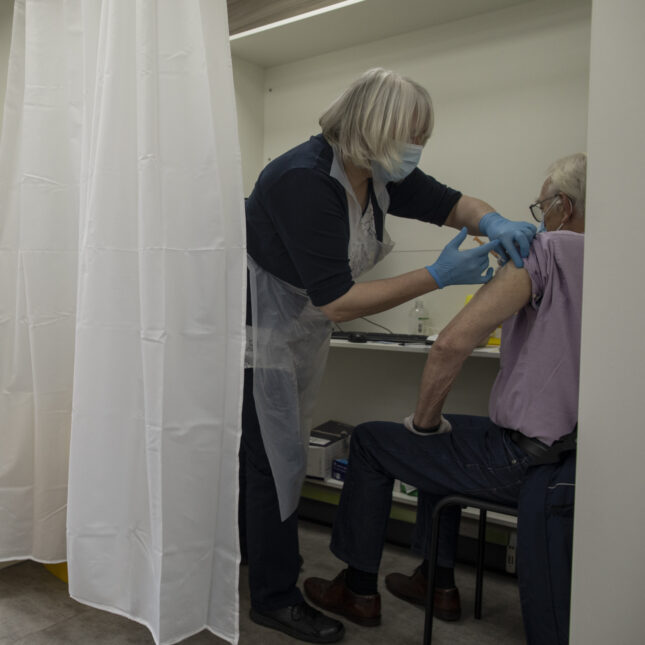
[{"x": 419, "y": 319}]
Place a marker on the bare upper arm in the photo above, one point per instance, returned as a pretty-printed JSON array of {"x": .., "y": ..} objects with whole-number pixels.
[{"x": 496, "y": 301}]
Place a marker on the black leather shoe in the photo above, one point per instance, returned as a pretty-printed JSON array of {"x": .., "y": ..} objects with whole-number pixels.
[{"x": 302, "y": 622}]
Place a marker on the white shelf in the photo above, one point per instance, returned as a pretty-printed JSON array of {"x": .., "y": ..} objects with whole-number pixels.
[
  {"x": 409, "y": 500},
  {"x": 483, "y": 352}
]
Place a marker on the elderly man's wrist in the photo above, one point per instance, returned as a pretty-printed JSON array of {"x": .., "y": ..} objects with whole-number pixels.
[{"x": 425, "y": 429}]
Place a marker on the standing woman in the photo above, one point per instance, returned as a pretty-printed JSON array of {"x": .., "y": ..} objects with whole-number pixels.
[{"x": 315, "y": 223}]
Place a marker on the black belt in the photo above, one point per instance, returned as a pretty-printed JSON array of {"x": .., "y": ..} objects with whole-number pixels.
[{"x": 539, "y": 452}]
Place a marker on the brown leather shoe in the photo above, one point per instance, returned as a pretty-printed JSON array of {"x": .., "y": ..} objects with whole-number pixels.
[
  {"x": 334, "y": 595},
  {"x": 410, "y": 588},
  {"x": 447, "y": 605}
]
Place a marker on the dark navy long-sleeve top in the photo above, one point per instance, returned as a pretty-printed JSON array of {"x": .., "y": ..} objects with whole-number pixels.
[{"x": 297, "y": 218}]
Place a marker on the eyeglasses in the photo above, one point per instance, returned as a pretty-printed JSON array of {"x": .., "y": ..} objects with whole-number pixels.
[{"x": 536, "y": 208}]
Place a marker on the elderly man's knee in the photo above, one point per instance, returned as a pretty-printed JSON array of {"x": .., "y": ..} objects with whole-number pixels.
[{"x": 366, "y": 436}]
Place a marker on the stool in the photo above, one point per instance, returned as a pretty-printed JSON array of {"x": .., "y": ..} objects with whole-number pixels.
[{"x": 483, "y": 506}]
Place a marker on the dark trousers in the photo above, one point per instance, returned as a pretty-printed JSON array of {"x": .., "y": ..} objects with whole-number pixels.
[
  {"x": 271, "y": 545},
  {"x": 477, "y": 458},
  {"x": 544, "y": 551}
]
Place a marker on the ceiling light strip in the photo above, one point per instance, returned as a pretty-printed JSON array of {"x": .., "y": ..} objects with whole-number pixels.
[{"x": 302, "y": 16}]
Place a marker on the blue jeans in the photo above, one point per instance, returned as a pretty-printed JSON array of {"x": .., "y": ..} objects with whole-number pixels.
[{"x": 477, "y": 458}]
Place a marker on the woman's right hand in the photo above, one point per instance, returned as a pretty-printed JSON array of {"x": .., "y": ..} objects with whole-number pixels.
[{"x": 462, "y": 267}]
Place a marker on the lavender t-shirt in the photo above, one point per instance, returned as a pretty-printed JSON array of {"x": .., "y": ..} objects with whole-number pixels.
[{"x": 536, "y": 390}]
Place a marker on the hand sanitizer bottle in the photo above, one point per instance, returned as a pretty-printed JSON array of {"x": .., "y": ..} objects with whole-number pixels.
[{"x": 419, "y": 320}]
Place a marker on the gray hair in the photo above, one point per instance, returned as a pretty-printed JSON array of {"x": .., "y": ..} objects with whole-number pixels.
[
  {"x": 569, "y": 176},
  {"x": 376, "y": 116}
]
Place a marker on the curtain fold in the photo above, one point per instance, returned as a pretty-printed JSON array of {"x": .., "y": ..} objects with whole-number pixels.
[
  {"x": 38, "y": 265},
  {"x": 123, "y": 273}
]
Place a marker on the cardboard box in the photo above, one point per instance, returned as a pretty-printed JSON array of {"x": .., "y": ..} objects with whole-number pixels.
[{"x": 327, "y": 442}]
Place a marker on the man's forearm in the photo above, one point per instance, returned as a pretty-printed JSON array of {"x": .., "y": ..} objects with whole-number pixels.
[{"x": 441, "y": 369}]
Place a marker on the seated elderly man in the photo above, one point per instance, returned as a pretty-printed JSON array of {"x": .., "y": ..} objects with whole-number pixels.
[{"x": 533, "y": 404}]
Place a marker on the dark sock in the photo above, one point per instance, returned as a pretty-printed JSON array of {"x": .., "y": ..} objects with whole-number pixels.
[
  {"x": 361, "y": 582},
  {"x": 444, "y": 578}
]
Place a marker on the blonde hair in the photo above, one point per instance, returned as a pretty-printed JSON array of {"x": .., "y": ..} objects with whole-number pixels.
[
  {"x": 569, "y": 176},
  {"x": 379, "y": 113}
]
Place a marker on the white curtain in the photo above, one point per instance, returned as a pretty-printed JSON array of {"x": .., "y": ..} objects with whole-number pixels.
[{"x": 122, "y": 295}]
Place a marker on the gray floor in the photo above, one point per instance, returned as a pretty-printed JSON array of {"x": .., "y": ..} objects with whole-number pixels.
[{"x": 35, "y": 609}]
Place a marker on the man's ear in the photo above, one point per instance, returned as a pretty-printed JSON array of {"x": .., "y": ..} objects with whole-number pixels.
[{"x": 567, "y": 207}]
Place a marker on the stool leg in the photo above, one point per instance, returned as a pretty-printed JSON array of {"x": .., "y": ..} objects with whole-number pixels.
[
  {"x": 481, "y": 551},
  {"x": 432, "y": 566}
]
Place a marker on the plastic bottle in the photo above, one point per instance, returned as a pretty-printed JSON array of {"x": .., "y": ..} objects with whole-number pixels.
[{"x": 419, "y": 319}]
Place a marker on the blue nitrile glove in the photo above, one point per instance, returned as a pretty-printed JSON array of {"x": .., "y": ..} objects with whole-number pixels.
[
  {"x": 512, "y": 235},
  {"x": 462, "y": 267}
]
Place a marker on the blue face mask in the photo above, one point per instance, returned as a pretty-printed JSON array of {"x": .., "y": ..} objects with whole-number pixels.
[
  {"x": 410, "y": 156},
  {"x": 542, "y": 226}
]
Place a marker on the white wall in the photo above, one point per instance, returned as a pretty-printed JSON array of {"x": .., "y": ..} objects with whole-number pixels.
[
  {"x": 366, "y": 384},
  {"x": 510, "y": 90},
  {"x": 608, "y": 555},
  {"x": 249, "y": 99}
]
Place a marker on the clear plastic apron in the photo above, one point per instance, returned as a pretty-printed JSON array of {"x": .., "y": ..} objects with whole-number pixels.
[{"x": 290, "y": 342}]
